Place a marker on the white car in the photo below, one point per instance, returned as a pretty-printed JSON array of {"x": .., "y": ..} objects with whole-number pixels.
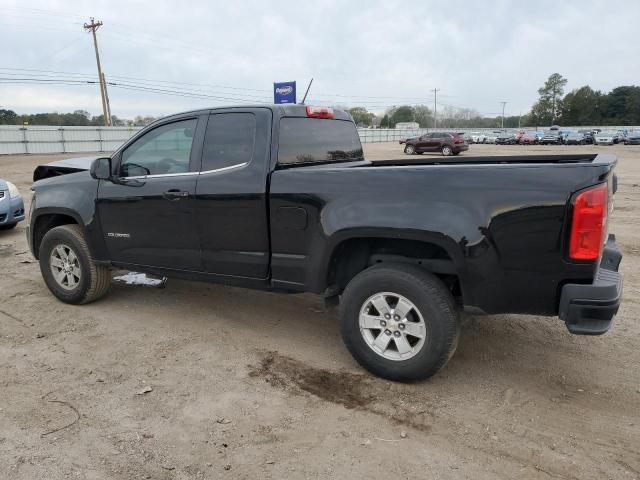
[
  {"x": 606, "y": 138},
  {"x": 491, "y": 137},
  {"x": 478, "y": 137}
]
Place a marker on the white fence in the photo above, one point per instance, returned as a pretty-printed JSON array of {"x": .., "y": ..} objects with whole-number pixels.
[{"x": 44, "y": 140}]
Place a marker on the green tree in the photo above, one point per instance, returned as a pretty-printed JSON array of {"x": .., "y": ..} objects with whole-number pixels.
[
  {"x": 97, "y": 121},
  {"x": 404, "y": 113},
  {"x": 361, "y": 116},
  {"x": 118, "y": 122},
  {"x": 423, "y": 116},
  {"x": 8, "y": 117},
  {"x": 142, "y": 121},
  {"x": 548, "y": 107},
  {"x": 623, "y": 106},
  {"x": 582, "y": 107},
  {"x": 384, "y": 123}
]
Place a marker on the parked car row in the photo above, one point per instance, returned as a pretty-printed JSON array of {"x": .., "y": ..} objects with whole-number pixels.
[
  {"x": 556, "y": 136},
  {"x": 449, "y": 143}
]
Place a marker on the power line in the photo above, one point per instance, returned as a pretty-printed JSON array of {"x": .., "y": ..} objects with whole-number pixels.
[
  {"x": 76, "y": 78},
  {"x": 319, "y": 95},
  {"x": 167, "y": 91}
]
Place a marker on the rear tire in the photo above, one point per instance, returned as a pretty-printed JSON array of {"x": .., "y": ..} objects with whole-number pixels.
[
  {"x": 410, "y": 150},
  {"x": 427, "y": 308},
  {"x": 446, "y": 150},
  {"x": 67, "y": 268}
]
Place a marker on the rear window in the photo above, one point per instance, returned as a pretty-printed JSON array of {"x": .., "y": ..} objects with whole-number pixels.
[
  {"x": 229, "y": 140},
  {"x": 311, "y": 140}
]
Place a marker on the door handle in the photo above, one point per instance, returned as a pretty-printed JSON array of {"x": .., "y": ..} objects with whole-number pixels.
[{"x": 175, "y": 194}]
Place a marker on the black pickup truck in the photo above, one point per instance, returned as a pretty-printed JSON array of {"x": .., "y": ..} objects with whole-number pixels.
[{"x": 282, "y": 198}]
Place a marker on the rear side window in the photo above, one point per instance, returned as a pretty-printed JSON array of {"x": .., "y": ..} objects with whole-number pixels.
[
  {"x": 310, "y": 140},
  {"x": 229, "y": 140}
]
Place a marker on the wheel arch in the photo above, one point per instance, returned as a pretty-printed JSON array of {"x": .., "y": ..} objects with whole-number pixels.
[
  {"x": 349, "y": 254},
  {"x": 49, "y": 218}
]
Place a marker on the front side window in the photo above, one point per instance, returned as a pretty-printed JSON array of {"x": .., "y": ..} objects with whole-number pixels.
[
  {"x": 229, "y": 140},
  {"x": 163, "y": 150}
]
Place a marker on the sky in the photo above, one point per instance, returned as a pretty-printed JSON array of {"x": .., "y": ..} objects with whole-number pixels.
[{"x": 168, "y": 56}]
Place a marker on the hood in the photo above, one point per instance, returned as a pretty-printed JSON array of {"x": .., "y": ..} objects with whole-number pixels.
[
  {"x": 63, "y": 167},
  {"x": 3, "y": 185}
]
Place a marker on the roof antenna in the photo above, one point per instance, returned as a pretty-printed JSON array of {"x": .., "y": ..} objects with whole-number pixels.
[{"x": 306, "y": 93}]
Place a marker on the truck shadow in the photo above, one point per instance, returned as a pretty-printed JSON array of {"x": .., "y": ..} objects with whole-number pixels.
[{"x": 503, "y": 351}]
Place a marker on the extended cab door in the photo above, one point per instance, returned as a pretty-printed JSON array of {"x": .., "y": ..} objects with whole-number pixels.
[
  {"x": 231, "y": 193},
  {"x": 148, "y": 213}
]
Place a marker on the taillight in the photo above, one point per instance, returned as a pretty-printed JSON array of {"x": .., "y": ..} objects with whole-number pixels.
[
  {"x": 588, "y": 224},
  {"x": 319, "y": 112}
]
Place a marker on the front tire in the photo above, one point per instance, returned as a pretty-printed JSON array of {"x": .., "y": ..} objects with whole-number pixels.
[
  {"x": 399, "y": 322},
  {"x": 410, "y": 150},
  {"x": 67, "y": 268}
]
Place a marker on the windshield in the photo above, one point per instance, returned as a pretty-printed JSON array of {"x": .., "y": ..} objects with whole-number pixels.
[{"x": 315, "y": 140}]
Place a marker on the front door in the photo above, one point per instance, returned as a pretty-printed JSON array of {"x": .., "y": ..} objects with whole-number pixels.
[
  {"x": 147, "y": 214},
  {"x": 427, "y": 142}
]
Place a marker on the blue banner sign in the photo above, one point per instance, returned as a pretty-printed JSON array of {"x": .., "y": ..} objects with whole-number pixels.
[{"x": 284, "y": 92}]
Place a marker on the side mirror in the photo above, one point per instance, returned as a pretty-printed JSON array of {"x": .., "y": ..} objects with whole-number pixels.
[{"x": 101, "y": 169}]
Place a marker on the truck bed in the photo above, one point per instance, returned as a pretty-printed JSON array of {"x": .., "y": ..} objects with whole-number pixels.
[{"x": 502, "y": 221}]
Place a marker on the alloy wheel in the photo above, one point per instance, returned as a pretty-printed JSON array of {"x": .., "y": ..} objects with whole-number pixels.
[
  {"x": 65, "y": 267},
  {"x": 392, "y": 326}
]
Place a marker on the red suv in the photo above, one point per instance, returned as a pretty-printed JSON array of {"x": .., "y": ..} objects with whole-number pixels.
[{"x": 443, "y": 142}]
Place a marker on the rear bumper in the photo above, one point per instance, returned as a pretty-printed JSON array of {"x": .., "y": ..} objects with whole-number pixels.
[
  {"x": 460, "y": 147},
  {"x": 590, "y": 309}
]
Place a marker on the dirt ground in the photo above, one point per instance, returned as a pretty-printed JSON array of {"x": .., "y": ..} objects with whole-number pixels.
[{"x": 199, "y": 381}]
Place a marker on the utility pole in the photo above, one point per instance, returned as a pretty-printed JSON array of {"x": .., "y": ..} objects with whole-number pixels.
[
  {"x": 106, "y": 97},
  {"x": 93, "y": 26},
  {"x": 503, "y": 104},
  {"x": 435, "y": 107}
]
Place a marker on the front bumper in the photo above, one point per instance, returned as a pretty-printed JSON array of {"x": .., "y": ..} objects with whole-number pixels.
[
  {"x": 11, "y": 210},
  {"x": 590, "y": 309}
]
